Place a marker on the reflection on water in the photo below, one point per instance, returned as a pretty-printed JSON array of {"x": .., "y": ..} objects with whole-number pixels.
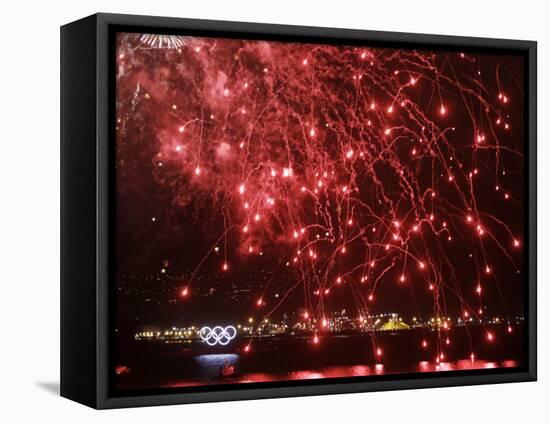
[
  {"x": 292, "y": 358},
  {"x": 425, "y": 366},
  {"x": 214, "y": 366}
]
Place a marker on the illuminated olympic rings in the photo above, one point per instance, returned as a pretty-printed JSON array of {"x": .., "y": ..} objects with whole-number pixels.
[{"x": 218, "y": 335}]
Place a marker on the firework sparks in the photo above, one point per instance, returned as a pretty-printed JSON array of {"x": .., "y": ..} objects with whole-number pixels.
[
  {"x": 336, "y": 167},
  {"x": 163, "y": 41}
]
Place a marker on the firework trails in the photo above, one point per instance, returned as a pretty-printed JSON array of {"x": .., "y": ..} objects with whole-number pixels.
[{"x": 304, "y": 190}]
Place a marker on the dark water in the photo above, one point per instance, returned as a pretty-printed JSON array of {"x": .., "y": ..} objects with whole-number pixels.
[{"x": 157, "y": 365}]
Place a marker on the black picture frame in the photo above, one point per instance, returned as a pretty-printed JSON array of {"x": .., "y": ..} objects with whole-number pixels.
[{"x": 87, "y": 98}]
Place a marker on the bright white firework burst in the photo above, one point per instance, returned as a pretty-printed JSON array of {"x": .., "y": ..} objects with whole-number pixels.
[{"x": 163, "y": 41}]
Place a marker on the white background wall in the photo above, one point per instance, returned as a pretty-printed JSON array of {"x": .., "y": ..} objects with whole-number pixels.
[{"x": 29, "y": 209}]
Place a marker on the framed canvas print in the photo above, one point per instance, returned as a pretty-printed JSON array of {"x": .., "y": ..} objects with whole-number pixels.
[{"x": 255, "y": 211}]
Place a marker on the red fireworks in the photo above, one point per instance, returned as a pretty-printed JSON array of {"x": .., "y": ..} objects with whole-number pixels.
[{"x": 352, "y": 167}]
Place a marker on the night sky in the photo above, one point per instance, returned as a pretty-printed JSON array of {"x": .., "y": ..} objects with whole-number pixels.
[{"x": 261, "y": 179}]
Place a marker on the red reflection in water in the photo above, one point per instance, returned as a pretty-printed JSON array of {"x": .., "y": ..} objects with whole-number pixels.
[
  {"x": 305, "y": 374},
  {"x": 256, "y": 377},
  {"x": 425, "y": 366},
  {"x": 185, "y": 384},
  {"x": 120, "y": 370},
  {"x": 350, "y": 371}
]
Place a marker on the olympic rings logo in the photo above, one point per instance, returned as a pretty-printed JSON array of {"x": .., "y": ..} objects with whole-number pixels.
[{"x": 218, "y": 335}]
